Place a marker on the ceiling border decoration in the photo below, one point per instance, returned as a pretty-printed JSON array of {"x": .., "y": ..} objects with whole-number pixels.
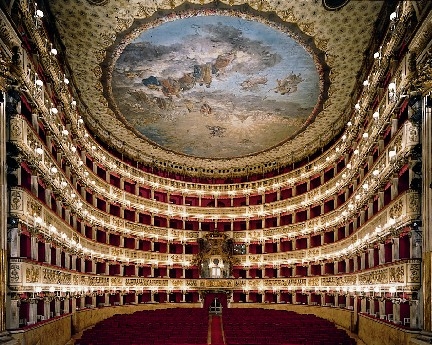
[{"x": 89, "y": 33}]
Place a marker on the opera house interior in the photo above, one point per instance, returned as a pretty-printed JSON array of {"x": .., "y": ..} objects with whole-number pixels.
[{"x": 133, "y": 212}]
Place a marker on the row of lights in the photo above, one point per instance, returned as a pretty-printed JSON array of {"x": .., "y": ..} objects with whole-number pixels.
[
  {"x": 344, "y": 213},
  {"x": 365, "y": 187},
  {"x": 392, "y": 153},
  {"x": 352, "y": 289}
]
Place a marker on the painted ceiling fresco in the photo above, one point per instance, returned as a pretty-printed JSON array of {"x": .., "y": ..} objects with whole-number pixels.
[{"x": 216, "y": 86}]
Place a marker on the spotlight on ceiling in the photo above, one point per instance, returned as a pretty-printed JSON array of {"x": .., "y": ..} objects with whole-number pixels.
[{"x": 334, "y": 5}]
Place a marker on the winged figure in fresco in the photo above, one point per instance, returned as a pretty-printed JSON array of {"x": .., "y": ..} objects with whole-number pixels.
[
  {"x": 252, "y": 84},
  {"x": 288, "y": 84}
]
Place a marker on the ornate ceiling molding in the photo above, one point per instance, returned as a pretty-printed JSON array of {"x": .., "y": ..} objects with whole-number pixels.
[{"x": 88, "y": 32}]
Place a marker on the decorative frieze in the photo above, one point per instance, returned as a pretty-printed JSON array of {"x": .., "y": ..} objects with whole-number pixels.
[{"x": 392, "y": 275}]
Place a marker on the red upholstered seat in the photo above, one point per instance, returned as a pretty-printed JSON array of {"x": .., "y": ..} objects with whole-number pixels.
[
  {"x": 154, "y": 327},
  {"x": 248, "y": 326}
]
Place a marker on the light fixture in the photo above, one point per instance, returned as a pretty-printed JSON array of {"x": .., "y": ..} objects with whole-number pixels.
[
  {"x": 392, "y": 154},
  {"x": 357, "y": 106},
  {"x": 356, "y": 151},
  {"x": 375, "y": 172},
  {"x": 365, "y": 135},
  {"x": 54, "y": 110},
  {"x": 39, "y": 150},
  {"x": 375, "y": 115},
  {"x": 377, "y": 55},
  {"x": 39, "y": 14},
  {"x": 73, "y": 103},
  {"x": 53, "y": 51},
  {"x": 65, "y": 132},
  {"x": 349, "y": 124},
  {"x": 365, "y": 186},
  {"x": 66, "y": 80},
  {"x": 54, "y": 170},
  {"x": 366, "y": 83},
  {"x": 38, "y": 82},
  {"x": 393, "y": 16}
]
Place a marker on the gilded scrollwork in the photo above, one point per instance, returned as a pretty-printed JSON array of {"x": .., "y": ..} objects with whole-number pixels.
[
  {"x": 414, "y": 203},
  {"x": 413, "y": 134},
  {"x": 16, "y": 200},
  {"x": 313, "y": 281},
  {"x": 55, "y": 277},
  {"x": 297, "y": 282},
  {"x": 115, "y": 281},
  {"x": 15, "y": 129},
  {"x": 339, "y": 281},
  {"x": 397, "y": 274},
  {"x": 311, "y": 253},
  {"x": 117, "y": 251},
  {"x": 375, "y": 277},
  {"x": 414, "y": 273},
  {"x": 32, "y": 274},
  {"x": 15, "y": 273},
  {"x": 396, "y": 209},
  {"x": 34, "y": 208}
]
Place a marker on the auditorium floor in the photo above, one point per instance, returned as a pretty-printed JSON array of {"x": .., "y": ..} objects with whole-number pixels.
[{"x": 216, "y": 336}]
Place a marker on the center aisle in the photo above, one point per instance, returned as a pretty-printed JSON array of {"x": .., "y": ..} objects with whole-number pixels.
[{"x": 217, "y": 337}]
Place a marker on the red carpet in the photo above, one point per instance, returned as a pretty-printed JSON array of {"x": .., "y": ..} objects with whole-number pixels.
[{"x": 216, "y": 331}]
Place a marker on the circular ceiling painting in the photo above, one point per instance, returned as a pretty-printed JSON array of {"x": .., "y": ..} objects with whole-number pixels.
[{"x": 216, "y": 86}]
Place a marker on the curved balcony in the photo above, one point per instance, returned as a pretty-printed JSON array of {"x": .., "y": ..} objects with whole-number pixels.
[{"x": 388, "y": 222}]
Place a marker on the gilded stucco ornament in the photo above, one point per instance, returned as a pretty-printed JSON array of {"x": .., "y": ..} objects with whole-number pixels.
[
  {"x": 397, "y": 274},
  {"x": 16, "y": 202},
  {"x": 414, "y": 273},
  {"x": 380, "y": 276},
  {"x": 396, "y": 210},
  {"x": 414, "y": 203},
  {"x": 15, "y": 273},
  {"x": 32, "y": 274}
]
